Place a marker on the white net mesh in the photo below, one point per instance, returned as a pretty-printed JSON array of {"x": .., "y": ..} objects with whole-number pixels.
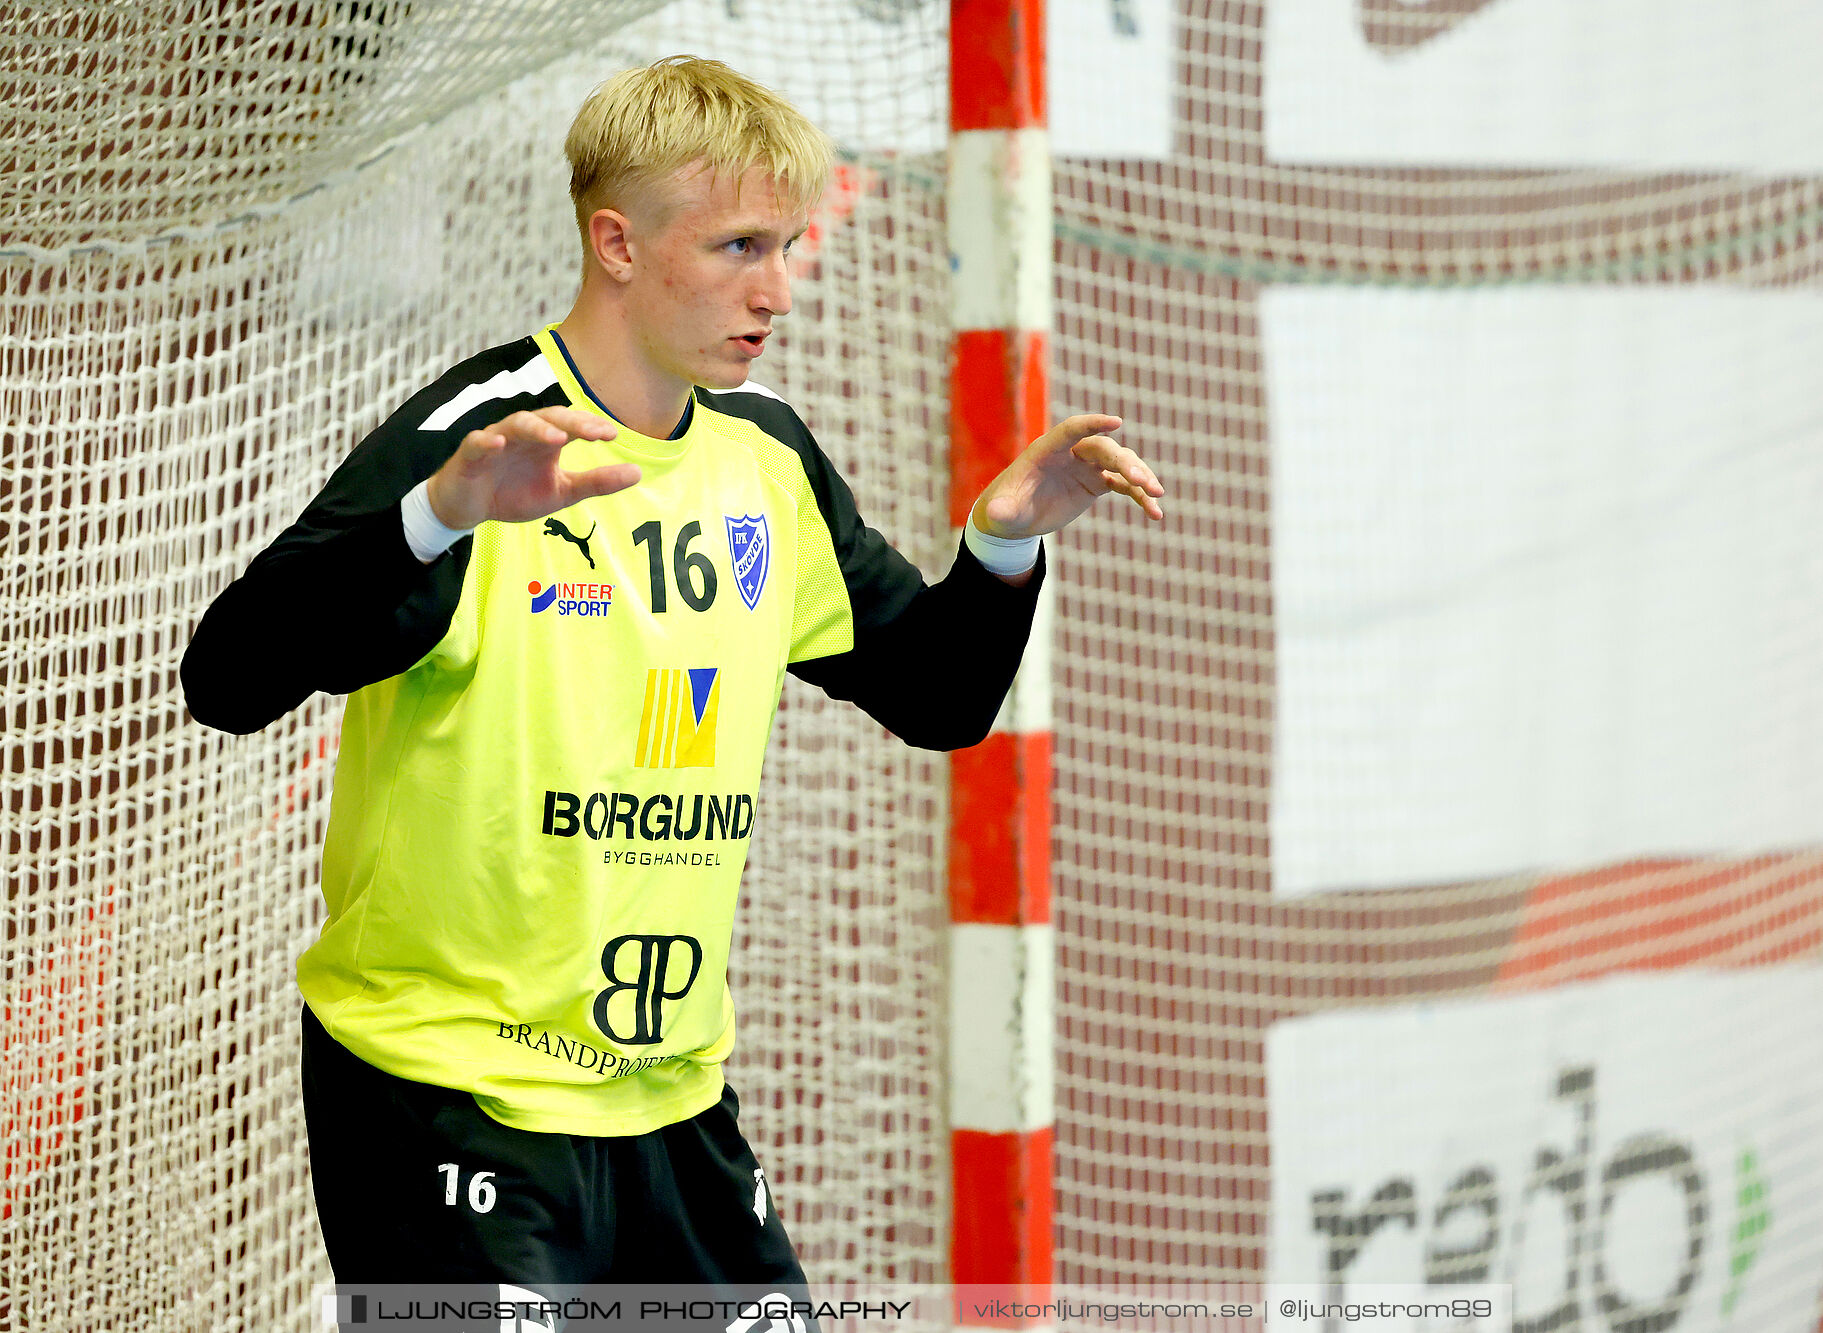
[
  {"x": 1175, "y": 955},
  {"x": 238, "y": 234},
  {"x": 292, "y": 217}
]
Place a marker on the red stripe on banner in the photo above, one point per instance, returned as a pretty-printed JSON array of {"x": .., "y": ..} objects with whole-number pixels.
[
  {"x": 996, "y": 64},
  {"x": 999, "y": 395},
  {"x": 1000, "y": 831},
  {"x": 1001, "y": 1233},
  {"x": 1667, "y": 914}
]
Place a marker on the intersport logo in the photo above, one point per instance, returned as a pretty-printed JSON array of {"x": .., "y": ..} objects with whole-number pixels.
[
  {"x": 1481, "y": 1228},
  {"x": 1394, "y": 27},
  {"x": 571, "y": 599}
]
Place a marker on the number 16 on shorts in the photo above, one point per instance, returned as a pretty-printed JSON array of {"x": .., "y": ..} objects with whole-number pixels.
[{"x": 480, "y": 1188}]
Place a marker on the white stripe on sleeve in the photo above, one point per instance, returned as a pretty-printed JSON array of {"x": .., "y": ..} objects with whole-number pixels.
[{"x": 535, "y": 376}]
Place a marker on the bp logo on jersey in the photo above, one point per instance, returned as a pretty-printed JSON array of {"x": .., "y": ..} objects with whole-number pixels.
[
  {"x": 642, "y": 971},
  {"x": 750, "y": 545}
]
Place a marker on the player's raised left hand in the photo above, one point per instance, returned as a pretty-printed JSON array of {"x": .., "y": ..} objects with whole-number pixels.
[{"x": 1061, "y": 474}]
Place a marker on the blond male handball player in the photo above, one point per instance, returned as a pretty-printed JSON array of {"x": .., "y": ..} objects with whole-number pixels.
[{"x": 561, "y": 586}]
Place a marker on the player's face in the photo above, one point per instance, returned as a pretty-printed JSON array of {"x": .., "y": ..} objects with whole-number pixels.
[{"x": 704, "y": 304}]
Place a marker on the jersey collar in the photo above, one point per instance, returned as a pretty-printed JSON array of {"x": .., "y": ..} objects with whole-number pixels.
[{"x": 551, "y": 343}]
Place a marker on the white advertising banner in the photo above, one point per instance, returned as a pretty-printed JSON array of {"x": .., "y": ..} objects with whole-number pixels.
[
  {"x": 1639, "y": 1153},
  {"x": 1646, "y": 85},
  {"x": 1547, "y": 565},
  {"x": 1111, "y": 71},
  {"x": 883, "y": 86},
  {"x": 1111, "y": 68}
]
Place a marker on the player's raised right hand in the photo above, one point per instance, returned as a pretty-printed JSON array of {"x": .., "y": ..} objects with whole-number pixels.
[{"x": 509, "y": 471}]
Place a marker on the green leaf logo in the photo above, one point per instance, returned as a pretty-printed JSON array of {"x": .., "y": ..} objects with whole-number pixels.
[{"x": 1752, "y": 1219}]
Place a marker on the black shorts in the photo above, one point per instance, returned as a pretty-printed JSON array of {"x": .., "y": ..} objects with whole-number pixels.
[{"x": 416, "y": 1184}]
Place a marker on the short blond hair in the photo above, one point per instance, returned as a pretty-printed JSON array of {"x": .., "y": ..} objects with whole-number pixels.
[{"x": 643, "y": 125}]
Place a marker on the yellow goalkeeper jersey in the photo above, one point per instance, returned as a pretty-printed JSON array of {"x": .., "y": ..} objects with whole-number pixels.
[{"x": 550, "y": 761}]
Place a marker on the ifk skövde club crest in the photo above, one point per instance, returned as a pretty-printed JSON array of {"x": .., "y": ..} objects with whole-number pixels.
[{"x": 750, "y": 544}]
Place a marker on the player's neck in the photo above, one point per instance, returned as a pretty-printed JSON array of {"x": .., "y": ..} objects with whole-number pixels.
[{"x": 638, "y": 394}]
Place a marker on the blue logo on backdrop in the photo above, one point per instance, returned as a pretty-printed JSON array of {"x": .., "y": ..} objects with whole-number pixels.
[{"x": 750, "y": 545}]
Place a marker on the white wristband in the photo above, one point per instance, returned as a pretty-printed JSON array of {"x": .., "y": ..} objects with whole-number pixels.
[
  {"x": 424, "y": 531},
  {"x": 1000, "y": 555}
]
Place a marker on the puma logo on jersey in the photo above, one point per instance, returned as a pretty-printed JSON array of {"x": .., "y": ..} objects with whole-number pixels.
[
  {"x": 759, "y": 1195},
  {"x": 553, "y": 528}
]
